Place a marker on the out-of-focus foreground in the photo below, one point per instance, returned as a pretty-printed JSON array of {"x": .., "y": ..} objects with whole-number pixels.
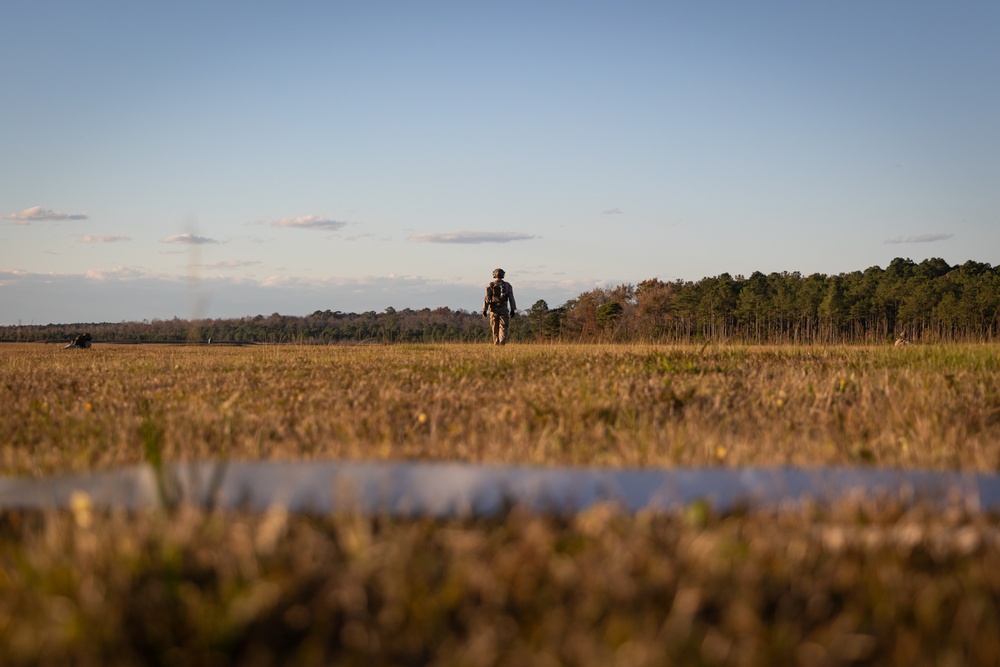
[{"x": 861, "y": 582}]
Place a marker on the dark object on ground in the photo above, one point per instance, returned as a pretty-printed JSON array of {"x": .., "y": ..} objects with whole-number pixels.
[{"x": 83, "y": 341}]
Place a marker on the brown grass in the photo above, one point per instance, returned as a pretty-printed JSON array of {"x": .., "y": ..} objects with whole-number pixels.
[
  {"x": 863, "y": 582},
  {"x": 859, "y": 584},
  {"x": 919, "y": 407}
]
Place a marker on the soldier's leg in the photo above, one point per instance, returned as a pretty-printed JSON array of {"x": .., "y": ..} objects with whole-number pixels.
[
  {"x": 495, "y": 327},
  {"x": 502, "y": 334}
]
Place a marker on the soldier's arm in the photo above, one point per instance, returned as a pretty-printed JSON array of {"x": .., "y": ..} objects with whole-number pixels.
[{"x": 510, "y": 295}]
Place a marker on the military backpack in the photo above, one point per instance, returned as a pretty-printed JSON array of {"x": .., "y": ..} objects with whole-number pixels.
[{"x": 497, "y": 294}]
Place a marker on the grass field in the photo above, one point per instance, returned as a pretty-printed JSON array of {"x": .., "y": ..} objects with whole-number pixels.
[
  {"x": 927, "y": 407},
  {"x": 862, "y": 582}
]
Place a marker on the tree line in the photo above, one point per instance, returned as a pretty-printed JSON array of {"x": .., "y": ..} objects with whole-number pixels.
[{"x": 931, "y": 301}]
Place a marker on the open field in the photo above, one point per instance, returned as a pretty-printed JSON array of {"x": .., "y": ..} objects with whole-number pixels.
[
  {"x": 934, "y": 407},
  {"x": 860, "y": 583}
]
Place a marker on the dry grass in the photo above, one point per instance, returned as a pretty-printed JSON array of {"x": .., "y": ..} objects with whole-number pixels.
[
  {"x": 926, "y": 407},
  {"x": 860, "y": 583}
]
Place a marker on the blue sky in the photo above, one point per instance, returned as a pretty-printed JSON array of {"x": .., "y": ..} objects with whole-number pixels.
[{"x": 221, "y": 159}]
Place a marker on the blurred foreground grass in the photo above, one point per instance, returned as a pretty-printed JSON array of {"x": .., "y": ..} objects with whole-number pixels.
[
  {"x": 924, "y": 406},
  {"x": 861, "y": 583},
  {"x": 864, "y": 582}
]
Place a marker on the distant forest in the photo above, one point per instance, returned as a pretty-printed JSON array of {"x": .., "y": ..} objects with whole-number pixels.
[{"x": 930, "y": 301}]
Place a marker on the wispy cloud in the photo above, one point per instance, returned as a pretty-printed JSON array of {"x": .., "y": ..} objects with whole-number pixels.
[
  {"x": 229, "y": 264},
  {"x": 121, "y": 273},
  {"x": 471, "y": 237},
  {"x": 309, "y": 222},
  {"x": 104, "y": 239},
  {"x": 12, "y": 276},
  {"x": 613, "y": 211},
  {"x": 39, "y": 213},
  {"x": 921, "y": 238},
  {"x": 188, "y": 238}
]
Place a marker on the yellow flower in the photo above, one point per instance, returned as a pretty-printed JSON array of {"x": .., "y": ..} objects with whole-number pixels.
[{"x": 80, "y": 506}]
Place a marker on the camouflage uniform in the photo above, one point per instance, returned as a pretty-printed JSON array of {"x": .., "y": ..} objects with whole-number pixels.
[{"x": 498, "y": 313}]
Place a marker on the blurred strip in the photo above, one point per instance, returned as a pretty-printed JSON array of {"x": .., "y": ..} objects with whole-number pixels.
[{"x": 461, "y": 489}]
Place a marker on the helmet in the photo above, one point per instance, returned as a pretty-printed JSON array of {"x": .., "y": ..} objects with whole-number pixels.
[{"x": 498, "y": 273}]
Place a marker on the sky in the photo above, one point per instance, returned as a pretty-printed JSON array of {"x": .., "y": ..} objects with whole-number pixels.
[{"x": 228, "y": 159}]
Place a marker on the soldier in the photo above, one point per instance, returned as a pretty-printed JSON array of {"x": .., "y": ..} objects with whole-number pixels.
[{"x": 498, "y": 293}]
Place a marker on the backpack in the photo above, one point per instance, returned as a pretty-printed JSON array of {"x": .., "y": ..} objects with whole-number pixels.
[{"x": 496, "y": 293}]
